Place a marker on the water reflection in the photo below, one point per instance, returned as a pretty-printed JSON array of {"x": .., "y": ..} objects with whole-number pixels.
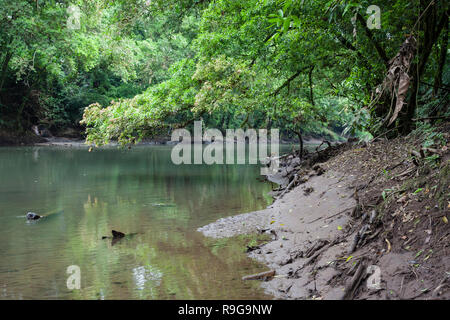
[
  {"x": 86, "y": 195},
  {"x": 147, "y": 278}
]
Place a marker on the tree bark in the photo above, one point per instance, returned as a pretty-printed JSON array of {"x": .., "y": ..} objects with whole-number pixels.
[
  {"x": 5, "y": 69},
  {"x": 432, "y": 30},
  {"x": 300, "y": 141},
  {"x": 442, "y": 59},
  {"x": 311, "y": 92}
]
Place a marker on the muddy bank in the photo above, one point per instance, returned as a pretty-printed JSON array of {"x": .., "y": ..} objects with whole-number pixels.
[
  {"x": 42, "y": 136},
  {"x": 370, "y": 221},
  {"x": 12, "y": 139},
  {"x": 309, "y": 215}
]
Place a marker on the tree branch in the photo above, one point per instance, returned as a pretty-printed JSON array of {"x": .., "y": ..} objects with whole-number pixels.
[
  {"x": 370, "y": 35},
  {"x": 347, "y": 44},
  {"x": 288, "y": 81}
]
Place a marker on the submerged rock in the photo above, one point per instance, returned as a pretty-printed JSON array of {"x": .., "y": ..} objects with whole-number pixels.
[
  {"x": 117, "y": 234},
  {"x": 33, "y": 216}
]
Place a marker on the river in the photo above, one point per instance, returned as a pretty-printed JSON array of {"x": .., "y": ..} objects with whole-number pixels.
[{"x": 85, "y": 195}]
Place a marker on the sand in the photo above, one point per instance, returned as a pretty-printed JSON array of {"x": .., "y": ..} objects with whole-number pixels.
[{"x": 314, "y": 212}]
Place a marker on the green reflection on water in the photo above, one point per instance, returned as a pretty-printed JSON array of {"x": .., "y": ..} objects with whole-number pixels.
[{"x": 86, "y": 195}]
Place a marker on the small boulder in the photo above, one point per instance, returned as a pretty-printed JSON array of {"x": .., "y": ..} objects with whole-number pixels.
[
  {"x": 33, "y": 216},
  {"x": 117, "y": 234}
]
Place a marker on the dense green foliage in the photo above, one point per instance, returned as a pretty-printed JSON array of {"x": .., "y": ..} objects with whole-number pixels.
[
  {"x": 51, "y": 72},
  {"x": 147, "y": 67}
]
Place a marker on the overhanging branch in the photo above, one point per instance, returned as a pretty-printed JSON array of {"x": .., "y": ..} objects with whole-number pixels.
[
  {"x": 288, "y": 81},
  {"x": 370, "y": 35}
]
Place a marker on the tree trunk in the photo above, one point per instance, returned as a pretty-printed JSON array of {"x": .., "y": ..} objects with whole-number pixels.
[
  {"x": 300, "y": 138},
  {"x": 442, "y": 59},
  {"x": 432, "y": 30},
  {"x": 5, "y": 69},
  {"x": 311, "y": 92}
]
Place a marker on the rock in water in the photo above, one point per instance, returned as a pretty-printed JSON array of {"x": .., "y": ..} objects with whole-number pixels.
[
  {"x": 33, "y": 216},
  {"x": 117, "y": 234}
]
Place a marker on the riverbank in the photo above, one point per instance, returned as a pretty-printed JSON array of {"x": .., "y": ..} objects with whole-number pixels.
[
  {"x": 383, "y": 204},
  {"x": 75, "y": 137},
  {"x": 12, "y": 139}
]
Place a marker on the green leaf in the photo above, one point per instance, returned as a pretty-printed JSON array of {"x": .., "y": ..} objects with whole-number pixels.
[{"x": 286, "y": 24}]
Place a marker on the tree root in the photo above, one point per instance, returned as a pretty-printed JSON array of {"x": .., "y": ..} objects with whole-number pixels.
[{"x": 356, "y": 280}]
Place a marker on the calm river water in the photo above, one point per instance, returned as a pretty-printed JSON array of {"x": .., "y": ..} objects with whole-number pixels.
[{"x": 86, "y": 195}]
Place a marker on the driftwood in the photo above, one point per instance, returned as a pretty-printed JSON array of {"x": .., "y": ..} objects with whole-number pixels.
[
  {"x": 323, "y": 142},
  {"x": 319, "y": 252},
  {"x": 352, "y": 286},
  {"x": 332, "y": 216},
  {"x": 444, "y": 283},
  {"x": 260, "y": 276},
  {"x": 298, "y": 173},
  {"x": 316, "y": 246},
  {"x": 289, "y": 185},
  {"x": 362, "y": 233},
  {"x": 315, "y": 251},
  {"x": 404, "y": 173}
]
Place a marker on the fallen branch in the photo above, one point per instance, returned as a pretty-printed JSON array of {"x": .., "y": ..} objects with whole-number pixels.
[
  {"x": 406, "y": 172},
  {"x": 319, "y": 252},
  {"x": 260, "y": 276},
  {"x": 362, "y": 233},
  {"x": 333, "y": 215},
  {"x": 316, "y": 246},
  {"x": 289, "y": 185},
  {"x": 324, "y": 142},
  {"x": 354, "y": 283}
]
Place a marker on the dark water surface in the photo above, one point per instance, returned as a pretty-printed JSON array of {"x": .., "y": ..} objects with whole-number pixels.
[{"x": 86, "y": 195}]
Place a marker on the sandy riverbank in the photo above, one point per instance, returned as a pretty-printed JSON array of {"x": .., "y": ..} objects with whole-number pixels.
[
  {"x": 365, "y": 226},
  {"x": 309, "y": 213}
]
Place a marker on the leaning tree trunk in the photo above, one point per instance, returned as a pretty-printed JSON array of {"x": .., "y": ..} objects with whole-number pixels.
[
  {"x": 391, "y": 99},
  {"x": 432, "y": 28}
]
